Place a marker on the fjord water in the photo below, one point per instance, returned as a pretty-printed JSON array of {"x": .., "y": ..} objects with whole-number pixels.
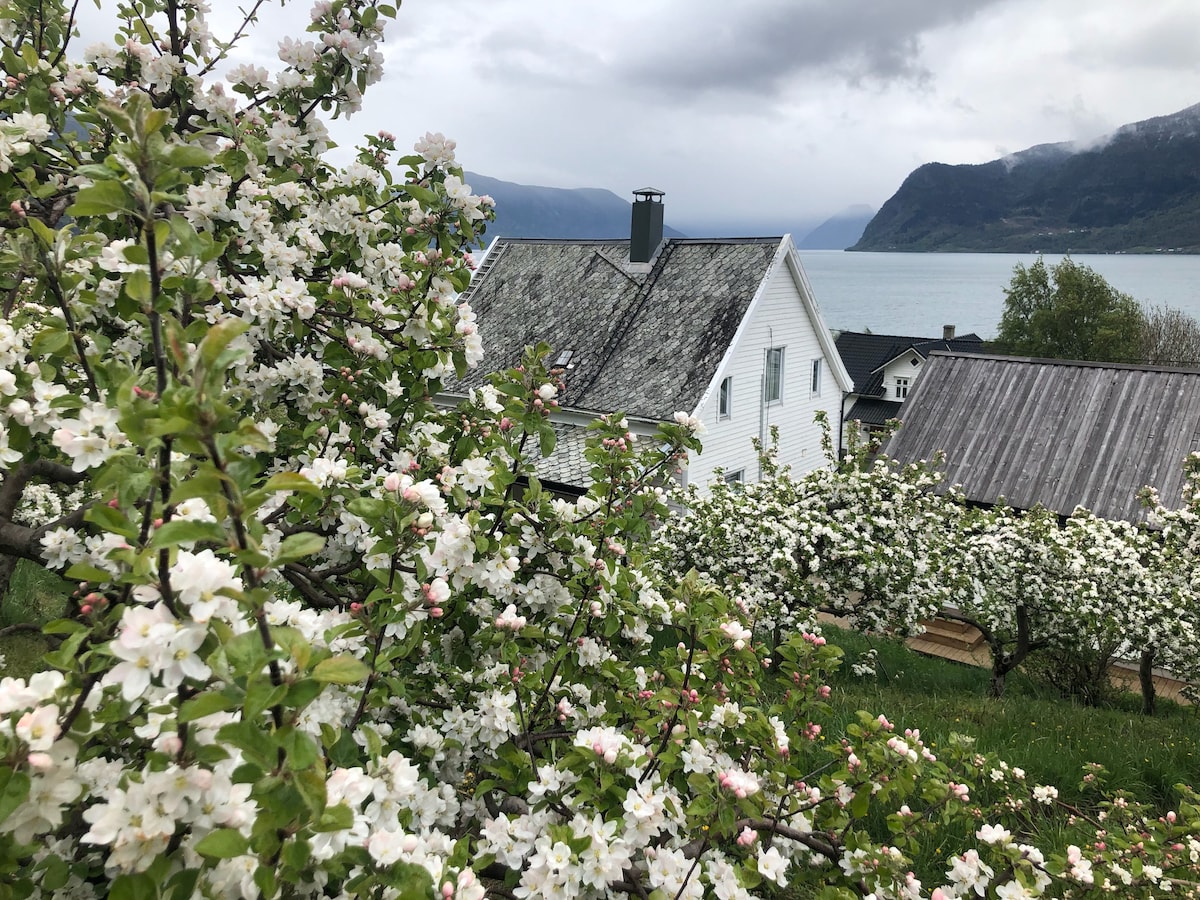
[{"x": 917, "y": 293}]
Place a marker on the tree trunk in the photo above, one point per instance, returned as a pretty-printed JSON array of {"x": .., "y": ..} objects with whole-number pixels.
[
  {"x": 8, "y": 565},
  {"x": 996, "y": 685},
  {"x": 1146, "y": 675}
]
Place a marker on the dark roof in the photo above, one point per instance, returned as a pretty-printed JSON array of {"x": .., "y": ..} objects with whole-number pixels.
[
  {"x": 1062, "y": 434},
  {"x": 872, "y": 411},
  {"x": 864, "y": 354},
  {"x": 644, "y": 342},
  {"x": 566, "y": 465}
]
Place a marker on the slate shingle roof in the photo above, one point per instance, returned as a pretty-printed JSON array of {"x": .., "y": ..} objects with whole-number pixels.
[
  {"x": 567, "y": 464},
  {"x": 1062, "y": 434},
  {"x": 865, "y": 354},
  {"x": 647, "y": 343}
]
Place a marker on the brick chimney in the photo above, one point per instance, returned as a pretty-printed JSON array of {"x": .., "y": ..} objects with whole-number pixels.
[
  {"x": 646, "y": 225},
  {"x": 947, "y": 332}
]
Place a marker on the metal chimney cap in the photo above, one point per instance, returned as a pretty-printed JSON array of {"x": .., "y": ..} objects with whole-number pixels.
[{"x": 647, "y": 193}]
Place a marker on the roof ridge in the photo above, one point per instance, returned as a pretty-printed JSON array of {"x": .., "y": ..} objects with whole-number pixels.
[
  {"x": 618, "y": 334},
  {"x": 1076, "y": 363}
]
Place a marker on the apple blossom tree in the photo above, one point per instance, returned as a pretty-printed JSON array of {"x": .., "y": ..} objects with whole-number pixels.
[{"x": 332, "y": 638}]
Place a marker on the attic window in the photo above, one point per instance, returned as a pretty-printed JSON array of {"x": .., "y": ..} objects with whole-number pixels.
[
  {"x": 914, "y": 362},
  {"x": 564, "y": 359}
]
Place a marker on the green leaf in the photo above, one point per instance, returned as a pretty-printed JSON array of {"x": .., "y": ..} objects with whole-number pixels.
[
  {"x": 49, "y": 342},
  {"x": 296, "y": 853},
  {"x": 291, "y": 481},
  {"x": 367, "y": 507},
  {"x": 297, "y": 546},
  {"x": 182, "y": 531},
  {"x": 246, "y": 652},
  {"x": 183, "y": 885},
  {"x": 55, "y": 874},
  {"x": 264, "y": 880},
  {"x": 546, "y": 441},
  {"x": 310, "y": 784},
  {"x": 132, "y": 887},
  {"x": 200, "y": 485},
  {"x": 342, "y": 669},
  {"x": 302, "y": 693},
  {"x": 100, "y": 199},
  {"x": 224, "y": 843},
  {"x": 84, "y": 572},
  {"x": 111, "y": 520},
  {"x": 338, "y": 817},
  {"x": 137, "y": 286},
  {"x": 219, "y": 337},
  {"x": 14, "y": 788},
  {"x": 262, "y": 694},
  {"x": 205, "y": 705},
  {"x": 184, "y": 156},
  {"x": 294, "y": 642}
]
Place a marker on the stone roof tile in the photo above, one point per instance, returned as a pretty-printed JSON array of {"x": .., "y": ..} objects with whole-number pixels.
[{"x": 647, "y": 343}]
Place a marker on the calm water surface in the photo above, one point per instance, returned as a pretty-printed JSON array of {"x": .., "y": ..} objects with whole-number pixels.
[{"x": 917, "y": 293}]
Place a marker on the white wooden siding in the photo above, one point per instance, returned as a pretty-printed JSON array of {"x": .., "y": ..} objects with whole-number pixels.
[
  {"x": 901, "y": 367},
  {"x": 779, "y": 320}
]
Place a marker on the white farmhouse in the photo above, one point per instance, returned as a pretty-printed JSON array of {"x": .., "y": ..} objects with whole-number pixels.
[
  {"x": 723, "y": 329},
  {"x": 884, "y": 368}
]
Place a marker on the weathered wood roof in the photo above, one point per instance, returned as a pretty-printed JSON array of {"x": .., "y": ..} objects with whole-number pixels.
[{"x": 1062, "y": 434}]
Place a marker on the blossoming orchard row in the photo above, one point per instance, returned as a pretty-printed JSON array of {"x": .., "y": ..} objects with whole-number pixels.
[
  {"x": 871, "y": 540},
  {"x": 333, "y": 640}
]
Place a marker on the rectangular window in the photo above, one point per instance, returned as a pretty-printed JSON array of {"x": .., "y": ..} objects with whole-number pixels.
[
  {"x": 902, "y": 387},
  {"x": 725, "y": 401},
  {"x": 735, "y": 477},
  {"x": 815, "y": 383},
  {"x": 773, "y": 377}
]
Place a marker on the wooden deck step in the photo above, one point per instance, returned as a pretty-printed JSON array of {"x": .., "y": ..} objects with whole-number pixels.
[
  {"x": 956, "y": 635},
  {"x": 977, "y": 657}
]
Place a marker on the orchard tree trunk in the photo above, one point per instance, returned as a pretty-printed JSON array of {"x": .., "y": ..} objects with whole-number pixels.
[
  {"x": 1003, "y": 661},
  {"x": 8, "y": 565},
  {"x": 1146, "y": 676}
]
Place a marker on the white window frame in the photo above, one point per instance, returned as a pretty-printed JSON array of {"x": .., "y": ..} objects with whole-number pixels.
[
  {"x": 775, "y": 396},
  {"x": 725, "y": 399},
  {"x": 814, "y": 384},
  {"x": 903, "y": 386},
  {"x": 738, "y": 477}
]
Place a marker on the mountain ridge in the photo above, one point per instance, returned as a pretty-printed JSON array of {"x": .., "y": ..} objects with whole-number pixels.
[
  {"x": 1136, "y": 189},
  {"x": 535, "y": 211}
]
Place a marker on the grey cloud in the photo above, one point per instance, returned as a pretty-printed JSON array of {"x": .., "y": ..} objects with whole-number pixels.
[
  {"x": 1168, "y": 42},
  {"x": 758, "y": 47}
]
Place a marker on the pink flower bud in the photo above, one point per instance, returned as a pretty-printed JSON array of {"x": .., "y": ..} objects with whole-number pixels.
[
  {"x": 437, "y": 612},
  {"x": 40, "y": 761}
]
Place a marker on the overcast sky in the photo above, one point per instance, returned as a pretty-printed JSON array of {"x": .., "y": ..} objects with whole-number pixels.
[{"x": 761, "y": 115}]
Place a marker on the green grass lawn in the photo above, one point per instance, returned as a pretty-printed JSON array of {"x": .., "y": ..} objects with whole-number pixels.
[
  {"x": 34, "y": 596},
  {"x": 1030, "y": 726}
]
